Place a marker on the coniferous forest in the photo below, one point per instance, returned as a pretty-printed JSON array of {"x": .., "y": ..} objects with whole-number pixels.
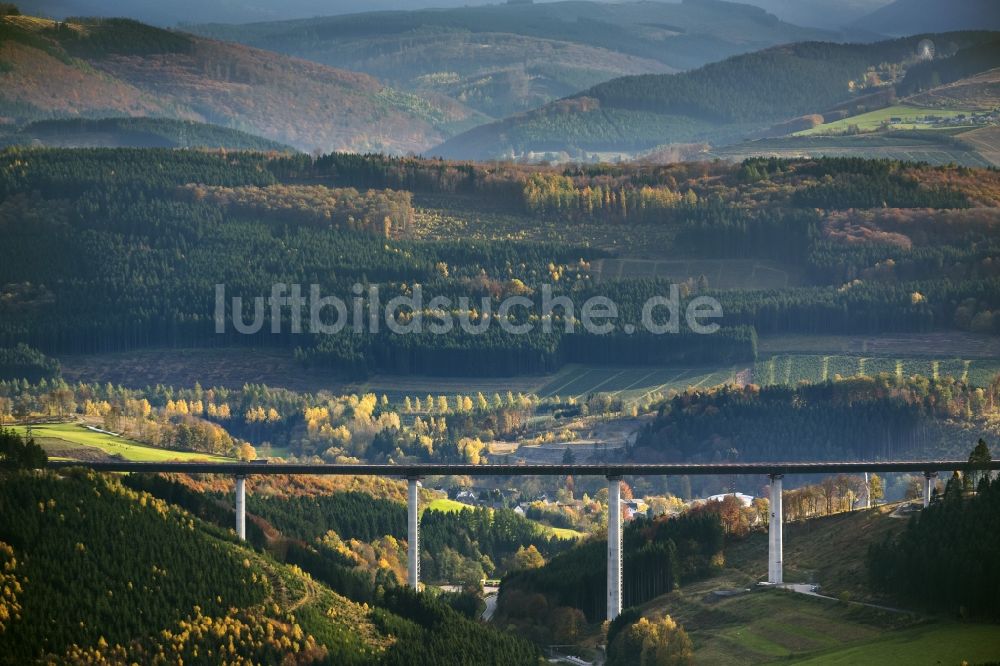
[
  {"x": 699, "y": 234},
  {"x": 111, "y": 250}
]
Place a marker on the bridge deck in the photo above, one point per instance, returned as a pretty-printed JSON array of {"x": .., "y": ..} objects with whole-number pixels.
[{"x": 613, "y": 469}]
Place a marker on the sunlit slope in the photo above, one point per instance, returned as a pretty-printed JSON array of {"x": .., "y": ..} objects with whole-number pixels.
[
  {"x": 117, "y": 67},
  {"x": 510, "y": 57},
  {"x": 720, "y": 103}
]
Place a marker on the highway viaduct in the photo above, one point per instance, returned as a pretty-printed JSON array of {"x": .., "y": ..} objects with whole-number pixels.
[{"x": 612, "y": 472}]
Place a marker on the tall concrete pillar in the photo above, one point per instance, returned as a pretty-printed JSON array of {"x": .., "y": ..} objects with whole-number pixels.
[
  {"x": 413, "y": 531},
  {"x": 929, "y": 478},
  {"x": 867, "y": 490},
  {"x": 614, "y": 546},
  {"x": 241, "y": 507},
  {"x": 775, "y": 574}
]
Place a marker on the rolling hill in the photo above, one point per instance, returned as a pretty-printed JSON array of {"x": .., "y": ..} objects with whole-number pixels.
[
  {"x": 908, "y": 17},
  {"x": 135, "y": 133},
  {"x": 96, "y": 68},
  {"x": 820, "y": 13},
  {"x": 232, "y": 11},
  {"x": 944, "y": 113},
  {"x": 720, "y": 103},
  {"x": 154, "y": 583},
  {"x": 507, "y": 58}
]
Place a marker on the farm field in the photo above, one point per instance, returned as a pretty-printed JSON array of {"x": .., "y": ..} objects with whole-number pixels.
[
  {"x": 958, "y": 344},
  {"x": 632, "y": 384},
  {"x": 73, "y": 441},
  {"x": 231, "y": 367},
  {"x": 986, "y": 141},
  {"x": 910, "y": 117},
  {"x": 793, "y": 369},
  {"x": 397, "y": 388},
  {"x": 932, "y": 147},
  {"x": 946, "y": 643},
  {"x": 981, "y": 91}
]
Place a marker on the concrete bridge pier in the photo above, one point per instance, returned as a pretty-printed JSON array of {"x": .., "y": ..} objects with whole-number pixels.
[
  {"x": 775, "y": 573},
  {"x": 413, "y": 530},
  {"x": 929, "y": 478},
  {"x": 241, "y": 507},
  {"x": 614, "y": 546}
]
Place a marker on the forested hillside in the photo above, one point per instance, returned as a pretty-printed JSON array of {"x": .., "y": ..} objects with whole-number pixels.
[
  {"x": 117, "y": 67},
  {"x": 186, "y": 589},
  {"x": 135, "y": 133},
  {"x": 718, "y": 103},
  {"x": 236, "y": 11},
  {"x": 510, "y": 57},
  {"x": 953, "y": 541},
  {"x": 122, "y": 249},
  {"x": 881, "y": 417},
  {"x": 658, "y": 555}
]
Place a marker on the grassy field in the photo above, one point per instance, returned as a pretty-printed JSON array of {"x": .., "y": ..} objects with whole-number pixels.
[
  {"x": 792, "y": 369},
  {"x": 763, "y": 626},
  {"x": 564, "y": 532},
  {"x": 949, "y": 643},
  {"x": 827, "y": 551},
  {"x": 449, "y": 506},
  {"x": 932, "y": 147},
  {"x": 733, "y": 622},
  {"x": 73, "y": 441},
  {"x": 631, "y": 383},
  {"x": 909, "y": 117},
  {"x": 767, "y": 626},
  {"x": 445, "y": 505}
]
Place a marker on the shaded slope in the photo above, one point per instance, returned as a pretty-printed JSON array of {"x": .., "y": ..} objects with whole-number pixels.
[
  {"x": 506, "y": 58},
  {"x": 119, "y": 67},
  {"x": 136, "y": 133},
  {"x": 909, "y": 17},
  {"x": 718, "y": 103}
]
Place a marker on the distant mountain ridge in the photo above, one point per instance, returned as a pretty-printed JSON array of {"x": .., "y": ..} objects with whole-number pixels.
[
  {"x": 720, "y": 103},
  {"x": 820, "y": 13},
  {"x": 115, "y": 67},
  {"x": 172, "y": 13},
  {"x": 507, "y": 58},
  {"x": 908, "y": 17}
]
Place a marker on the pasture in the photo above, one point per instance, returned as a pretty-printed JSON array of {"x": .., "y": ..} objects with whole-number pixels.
[
  {"x": 932, "y": 147},
  {"x": 763, "y": 626},
  {"x": 943, "y": 643},
  {"x": 75, "y": 442},
  {"x": 451, "y": 506},
  {"x": 900, "y": 116}
]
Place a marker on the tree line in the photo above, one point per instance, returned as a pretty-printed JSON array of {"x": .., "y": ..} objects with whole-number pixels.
[{"x": 945, "y": 560}]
